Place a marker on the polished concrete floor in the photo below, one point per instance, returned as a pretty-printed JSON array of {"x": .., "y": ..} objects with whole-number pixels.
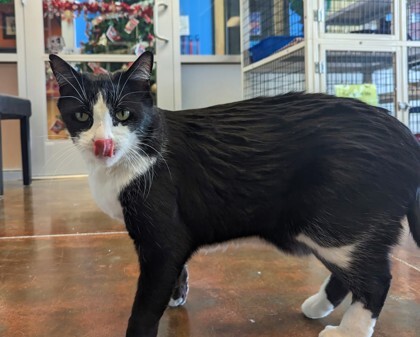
[{"x": 67, "y": 270}]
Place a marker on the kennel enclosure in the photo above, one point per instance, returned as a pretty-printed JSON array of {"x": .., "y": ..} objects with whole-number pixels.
[{"x": 367, "y": 49}]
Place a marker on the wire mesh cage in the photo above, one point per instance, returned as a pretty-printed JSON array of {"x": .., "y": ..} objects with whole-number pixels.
[
  {"x": 270, "y": 26},
  {"x": 285, "y": 74},
  {"x": 366, "y": 75},
  {"x": 414, "y": 89},
  {"x": 413, "y": 20},
  {"x": 359, "y": 16}
]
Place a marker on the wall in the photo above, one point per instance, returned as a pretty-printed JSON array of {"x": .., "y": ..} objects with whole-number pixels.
[
  {"x": 10, "y": 129},
  {"x": 209, "y": 84}
]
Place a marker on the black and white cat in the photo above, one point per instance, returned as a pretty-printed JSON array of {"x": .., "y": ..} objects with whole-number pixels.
[{"x": 309, "y": 173}]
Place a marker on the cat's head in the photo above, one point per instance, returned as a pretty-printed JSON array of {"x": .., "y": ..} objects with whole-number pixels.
[{"x": 110, "y": 117}]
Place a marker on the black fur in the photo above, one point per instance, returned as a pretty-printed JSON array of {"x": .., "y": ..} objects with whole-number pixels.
[
  {"x": 413, "y": 217},
  {"x": 337, "y": 170},
  {"x": 335, "y": 290}
]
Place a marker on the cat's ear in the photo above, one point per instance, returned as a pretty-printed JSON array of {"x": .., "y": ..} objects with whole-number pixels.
[
  {"x": 63, "y": 72},
  {"x": 141, "y": 69}
]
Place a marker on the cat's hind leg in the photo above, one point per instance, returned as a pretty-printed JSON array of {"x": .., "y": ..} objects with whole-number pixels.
[
  {"x": 180, "y": 292},
  {"x": 363, "y": 268},
  {"x": 329, "y": 296},
  {"x": 369, "y": 280}
]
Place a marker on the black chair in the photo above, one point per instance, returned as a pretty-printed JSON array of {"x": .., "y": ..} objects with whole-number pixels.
[{"x": 12, "y": 107}]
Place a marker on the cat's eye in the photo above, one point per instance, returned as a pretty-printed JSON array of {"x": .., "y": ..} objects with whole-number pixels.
[
  {"x": 82, "y": 116},
  {"x": 122, "y": 115}
]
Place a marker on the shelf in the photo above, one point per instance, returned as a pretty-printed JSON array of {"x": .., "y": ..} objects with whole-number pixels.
[
  {"x": 336, "y": 64},
  {"x": 288, "y": 53},
  {"x": 359, "y": 13}
]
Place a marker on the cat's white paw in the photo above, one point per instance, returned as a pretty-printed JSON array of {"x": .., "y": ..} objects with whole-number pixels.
[
  {"x": 173, "y": 303},
  {"x": 335, "y": 331},
  {"x": 317, "y": 306}
]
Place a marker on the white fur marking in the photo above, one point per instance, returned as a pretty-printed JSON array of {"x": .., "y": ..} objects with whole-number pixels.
[
  {"x": 404, "y": 222},
  {"x": 357, "y": 322},
  {"x": 108, "y": 176},
  {"x": 178, "y": 302},
  {"x": 318, "y": 305},
  {"x": 102, "y": 120},
  {"x": 340, "y": 256}
]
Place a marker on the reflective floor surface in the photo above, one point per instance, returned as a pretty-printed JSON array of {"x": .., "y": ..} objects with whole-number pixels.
[{"x": 67, "y": 270}]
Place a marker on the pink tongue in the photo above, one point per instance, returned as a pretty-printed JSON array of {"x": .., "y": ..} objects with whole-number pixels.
[{"x": 103, "y": 147}]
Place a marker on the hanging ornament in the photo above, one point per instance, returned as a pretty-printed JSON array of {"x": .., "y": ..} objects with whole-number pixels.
[
  {"x": 130, "y": 25},
  {"x": 96, "y": 68},
  {"x": 138, "y": 50},
  {"x": 96, "y": 21},
  {"x": 58, "y": 126},
  {"x": 147, "y": 18},
  {"x": 143, "y": 9},
  {"x": 140, "y": 47},
  {"x": 55, "y": 44},
  {"x": 112, "y": 34},
  {"x": 103, "y": 41},
  {"x": 67, "y": 16}
]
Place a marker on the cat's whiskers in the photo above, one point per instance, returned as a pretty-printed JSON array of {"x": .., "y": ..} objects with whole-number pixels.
[
  {"x": 84, "y": 88},
  {"x": 129, "y": 76},
  {"x": 131, "y": 162},
  {"x": 58, "y": 74},
  {"x": 134, "y": 159},
  {"x": 130, "y": 93},
  {"x": 160, "y": 153},
  {"x": 60, "y": 158},
  {"x": 114, "y": 93},
  {"x": 72, "y": 97},
  {"x": 148, "y": 176},
  {"x": 161, "y": 156},
  {"x": 118, "y": 84},
  {"x": 73, "y": 72}
]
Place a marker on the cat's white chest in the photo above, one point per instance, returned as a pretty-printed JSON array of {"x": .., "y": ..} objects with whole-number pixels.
[
  {"x": 106, "y": 184},
  {"x": 105, "y": 190}
]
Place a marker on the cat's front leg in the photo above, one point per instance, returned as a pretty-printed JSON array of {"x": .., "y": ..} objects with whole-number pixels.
[
  {"x": 180, "y": 292},
  {"x": 159, "y": 270}
]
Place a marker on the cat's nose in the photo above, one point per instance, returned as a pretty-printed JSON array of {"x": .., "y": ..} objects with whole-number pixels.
[{"x": 103, "y": 147}]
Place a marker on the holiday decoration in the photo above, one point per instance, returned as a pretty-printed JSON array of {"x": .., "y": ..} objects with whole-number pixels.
[
  {"x": 142, "y": 9},
  {"x": 130, "y": 25},
  {"x": 126, "y": 23},
  {"x": 55, "y": 44},
  {"x": 96, "y": 68},
  {"x": 113, "y": 34},
  {"x": 112, "y": 27},
  {"x": 58, "y": 126}
]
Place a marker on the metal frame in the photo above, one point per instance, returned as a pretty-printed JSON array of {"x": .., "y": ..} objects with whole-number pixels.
[
  {"x": 324, "y": 48},
  {"x": 317, "y": 42},
  {"x": 364, "y": 37}
]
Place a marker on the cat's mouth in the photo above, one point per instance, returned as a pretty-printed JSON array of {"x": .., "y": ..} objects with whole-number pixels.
[{"x": 104, "y": 147}]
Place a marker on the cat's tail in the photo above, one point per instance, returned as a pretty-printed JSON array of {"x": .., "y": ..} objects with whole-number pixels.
[{"x": 413, "y": 217}]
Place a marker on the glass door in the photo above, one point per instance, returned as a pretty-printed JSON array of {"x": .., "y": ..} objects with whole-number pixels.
[
  {"x": 95, "y": 36},
  {"x": 12, "y": 70}
]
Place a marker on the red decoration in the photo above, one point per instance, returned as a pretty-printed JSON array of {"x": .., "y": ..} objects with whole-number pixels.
[
  {"x": 112, "y": 34},
  {"x": 58, "y": 7},
  {"x": 130, "y": 25}
]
